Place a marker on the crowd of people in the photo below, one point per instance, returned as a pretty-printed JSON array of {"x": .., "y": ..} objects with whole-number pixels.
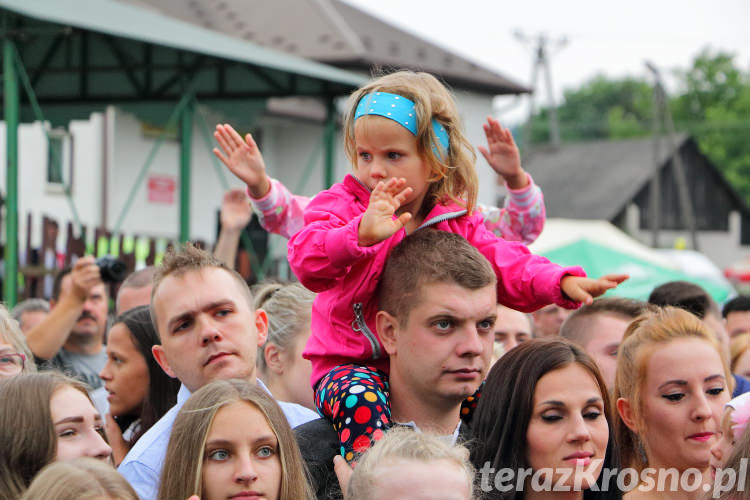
[{"x": 424, "y": 353}]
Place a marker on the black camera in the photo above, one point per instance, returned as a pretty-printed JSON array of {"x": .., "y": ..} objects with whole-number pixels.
[{"x": 111, "y": 269}]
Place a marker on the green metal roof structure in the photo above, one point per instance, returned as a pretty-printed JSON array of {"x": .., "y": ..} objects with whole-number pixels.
[{"x": 74, "y": 56}]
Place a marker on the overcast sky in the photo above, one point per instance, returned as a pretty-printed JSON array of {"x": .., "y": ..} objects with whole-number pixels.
[{"x": 613, "y": 38}]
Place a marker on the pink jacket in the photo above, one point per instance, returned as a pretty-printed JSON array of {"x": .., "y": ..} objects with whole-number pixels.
[
  {"x": 327, "y": 259},
  {"x": 522, "y": 218}
]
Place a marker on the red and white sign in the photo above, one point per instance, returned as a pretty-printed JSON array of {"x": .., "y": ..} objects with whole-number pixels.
[{"x": 161, "y": 189}]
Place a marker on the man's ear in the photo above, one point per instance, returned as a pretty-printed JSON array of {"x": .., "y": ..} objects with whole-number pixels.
[
  {"x": 261, "y": 326},
  {"x": 387, "y": 327},
  {"x": 161, "y": 357},
  {"x": 273, "y": 357},
  {"x": 626, "y": 414}
]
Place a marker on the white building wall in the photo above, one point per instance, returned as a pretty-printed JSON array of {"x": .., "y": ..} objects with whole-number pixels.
[
  {"x": 474, "y": 110},
  {"x": 36, "y": 196},
  {"x": 723, "y": 248},
  {"x": 130, "y": 151},
  {"x": 114, "y": 142}
]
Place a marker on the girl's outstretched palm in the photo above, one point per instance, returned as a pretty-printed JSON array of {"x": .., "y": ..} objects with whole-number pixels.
[
  {"x": 378, "y": 223},
  {"x": 502, "y": 154},
  {"x": 243, "y": 158}
]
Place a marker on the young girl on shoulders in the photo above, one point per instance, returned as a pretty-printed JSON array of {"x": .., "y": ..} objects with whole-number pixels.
[
  {"x": 280, "y": 212},
  {"x": 413, "y": 170}
]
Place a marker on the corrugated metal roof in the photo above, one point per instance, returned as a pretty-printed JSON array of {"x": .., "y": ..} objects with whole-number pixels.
[{"x": 147, "y": 25}]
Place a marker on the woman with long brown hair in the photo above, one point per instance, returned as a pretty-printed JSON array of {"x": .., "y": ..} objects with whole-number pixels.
[
  {"x": 545, "y": 410},
  {"x": 45, "y": 417},
  {"x": 139, "y": 392},
  {"x": 229, "y": 438}
]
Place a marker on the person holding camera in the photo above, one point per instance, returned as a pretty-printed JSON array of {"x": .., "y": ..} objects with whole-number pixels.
[{"x": 70, "y": 338}]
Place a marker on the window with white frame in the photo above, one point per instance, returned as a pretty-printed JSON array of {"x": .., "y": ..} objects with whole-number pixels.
[{"x": 59, "y": 164}]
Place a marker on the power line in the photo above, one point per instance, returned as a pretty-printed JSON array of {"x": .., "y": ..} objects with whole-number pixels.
[{"x": 541, "y": 46}]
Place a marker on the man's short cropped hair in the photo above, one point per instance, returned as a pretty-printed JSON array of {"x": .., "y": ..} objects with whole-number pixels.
[
  {"x": 186, "y": 258},
  {"x": 685, "y": 295},
  {"x": 576, "y": 326},
  {"x": 139, "y": 279},
  {"x": 740, "y": 303},
  {"x": 430, "y": 256},
  {"x": 29, "y": 305}
]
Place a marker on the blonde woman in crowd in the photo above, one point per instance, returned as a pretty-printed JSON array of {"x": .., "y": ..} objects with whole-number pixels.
[
  {"x": 406, "y": 463},
  {"x": 739, "y": 352},
  {"x": 45, "y": 417},
  {"x": 280, "y": 363},
  {"x": 733, "y": 482},
  {"x": 79, "y": 479},
  {"x": 230, "y": 438},
  {"x": 671, "y": 386},
  {"x": 15, "y": 356}
]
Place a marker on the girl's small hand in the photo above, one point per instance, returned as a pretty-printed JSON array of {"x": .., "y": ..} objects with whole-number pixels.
[
  {"x": 120, "y": 447},
  {"x": 378, "y": 223},
  {"x": 503, "y": 155},
  {"x": 243, "y": 158},
  {"x": 584, "y": 290}
]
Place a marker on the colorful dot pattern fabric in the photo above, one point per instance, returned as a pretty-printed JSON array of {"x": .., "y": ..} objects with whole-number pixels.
[
  {"x": 470, "y": 404},
  {"x": 355, "y": 399}
]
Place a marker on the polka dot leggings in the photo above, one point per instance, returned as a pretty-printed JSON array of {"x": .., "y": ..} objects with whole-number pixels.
[{"x": 355, "y": 399}]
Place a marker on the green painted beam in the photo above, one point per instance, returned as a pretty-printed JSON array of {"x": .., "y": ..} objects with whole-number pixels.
[
  {"x": 330, "y": 144},
  {"x": 186, "y": 134},
  {"x": 10, "y": 88}
]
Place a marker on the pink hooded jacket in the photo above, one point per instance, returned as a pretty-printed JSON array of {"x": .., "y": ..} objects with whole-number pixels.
[{"x": 327, "y": 259}]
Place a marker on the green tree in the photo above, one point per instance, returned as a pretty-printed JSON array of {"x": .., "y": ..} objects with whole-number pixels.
[
  {"x": 600, "y": 109},
  {"x": 712, "y": 104}
]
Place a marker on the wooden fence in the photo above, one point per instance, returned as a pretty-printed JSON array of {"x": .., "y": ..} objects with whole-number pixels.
[{"x": 40, "y": 264}]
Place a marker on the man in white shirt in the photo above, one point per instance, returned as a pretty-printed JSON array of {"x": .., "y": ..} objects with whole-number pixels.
[{"x": 209, "y": 331}]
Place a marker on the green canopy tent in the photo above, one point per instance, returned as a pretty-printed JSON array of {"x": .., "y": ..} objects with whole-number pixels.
[
  {"x": 601, "y": 248},
  {"x": 598, "y": 260}
]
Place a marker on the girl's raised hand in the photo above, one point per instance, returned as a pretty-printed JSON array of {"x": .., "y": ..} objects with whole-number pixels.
[
  {"x": 580, "y": 289},
  {"x": 243, "y": 158},
  {"x": 378, "y": 223},
  {"x": 502, "y": 154}
]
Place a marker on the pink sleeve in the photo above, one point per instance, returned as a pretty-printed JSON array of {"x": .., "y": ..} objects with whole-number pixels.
[
  {"x": 522, "y": 218},
  {"x": 525, "y": 281},
  {"x": 280, "y": 212},
  {"x": 326, "y": 248}
]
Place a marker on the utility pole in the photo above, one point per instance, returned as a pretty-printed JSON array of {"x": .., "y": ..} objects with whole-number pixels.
[
  {"x": 540, "y": 47},
  {"x": 662, "y": 116}
]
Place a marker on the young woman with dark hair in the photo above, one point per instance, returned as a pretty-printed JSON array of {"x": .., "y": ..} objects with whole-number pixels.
[
  {"x": 140, "y": 393},
  {"x": 545, "y": 410}
]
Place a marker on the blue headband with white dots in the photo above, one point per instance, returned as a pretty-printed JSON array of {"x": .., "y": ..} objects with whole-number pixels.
[{"x": 402, "y": 111}]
